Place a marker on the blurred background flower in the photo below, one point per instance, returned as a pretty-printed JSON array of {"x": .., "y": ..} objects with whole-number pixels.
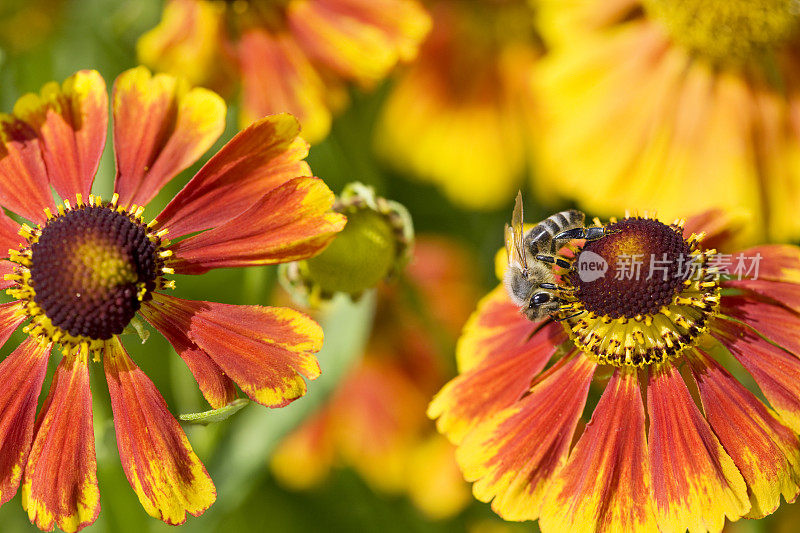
[
  {"x": 462, "y": 114},
  {"x": 675, "y": 106},
  {"x": 289, "y": 55}
]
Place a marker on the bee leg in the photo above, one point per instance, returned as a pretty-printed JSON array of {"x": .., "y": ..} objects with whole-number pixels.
[
  {"x": 568, "y": 317},
  {"x": 554, "y": 260},
  {"x": 590, "y": 234}
]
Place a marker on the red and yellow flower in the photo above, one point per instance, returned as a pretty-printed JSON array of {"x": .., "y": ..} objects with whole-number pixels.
[
  {"x": 464, "y": 109},
  {"x": 685, "y": 95},
  {"x": 375, "y": 420},
  {"x": 675, "y": 441},
  {"x": 80, "y": 272},
  {"x": 291, "y": 55}
]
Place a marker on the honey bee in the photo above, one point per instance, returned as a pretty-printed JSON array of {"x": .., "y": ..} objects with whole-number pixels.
[{"x": 529, "y": 278}]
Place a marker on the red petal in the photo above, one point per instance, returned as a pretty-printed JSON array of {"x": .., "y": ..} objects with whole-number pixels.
[
  {"x": 695, "y": 484},
  {"x": 277, "y": 77},
  {"x": 776, "y": 371},
  {"x": 218, "y": 389},
  {"x": 719, "y": 225},
  {"x": 263, "y": 156},
  {"x": 161, "y": 126},
  {"x": 24, "y": 187},
  {"x": 605, "y": 485},
  {"x": 60, "y": 486},
  {"x": 787, "y": 294},
  {"x": 774, "y": 322},
  {"x": 9, "y": 234},
  {"x": 71, "y": 120},
  {"x": 507, "y": 356},
  {"x": 293, "y": 221},
  {"x": 513, "y": 456},
  {"x": 21, "y": 374},
  {"x": 780, "y": 262},
  {"x": 158, "y": 460},
  {"x": 765, "y": 451},
  {"x": 265, "y": 350}
]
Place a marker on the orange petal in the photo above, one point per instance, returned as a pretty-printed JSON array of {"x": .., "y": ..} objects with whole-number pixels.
[
  {"x": 305, "y": 456},
  {"x": 774, "y": 322},
  {"x": 513, "y": 456},
  {"x": 24, "y": 187},
  {"x": 60, "y": 485},
  {"x": 22, "y": 374},
  {"x": 765, "y": 451},
  {"x": 276, "y": 78},
  {"x": 695, "y": 484},
  {"x": 71, "y": 120},
  {"x": 265, "y": 350},
  {"x": 293, "y": 221},
  {"x": 605, "y": 485},
  {"x": 161, "y": 126},
  {"x": 509, "y": 356},
  {"x": 217, "y": 388},
  {"x": 776, "y": 371},
  {"x": 9, "y": 234},
  {"x": 358, "y": 39},
  {"x": 261, "y": 157},
  {"x": 158, "y": 460}
]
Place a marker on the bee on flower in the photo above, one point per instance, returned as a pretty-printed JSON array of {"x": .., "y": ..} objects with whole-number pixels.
[
  {"x": 675, "y": 441},
  {"x": 83, "y": 271},
  {"x": 295, "y": 56}
]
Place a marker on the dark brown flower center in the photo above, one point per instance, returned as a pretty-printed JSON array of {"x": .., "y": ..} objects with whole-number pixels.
[
  {"x": 643, "y": 262},
  {"x": 91, "y": 268}
]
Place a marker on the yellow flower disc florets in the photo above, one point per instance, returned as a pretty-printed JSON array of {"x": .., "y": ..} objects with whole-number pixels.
[
  {"x": 85, "y": 273},
  {"x": 727, "y": 30},
  {"x": 650, "y": 298}
]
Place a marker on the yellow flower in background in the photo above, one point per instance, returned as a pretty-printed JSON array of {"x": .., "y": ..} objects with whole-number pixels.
[
  {"x": 460, "y": 115},
  {"x": 289, "y": 55},
  {"x": 676, "y": 106},
  {"x": 375, "y": 421}
]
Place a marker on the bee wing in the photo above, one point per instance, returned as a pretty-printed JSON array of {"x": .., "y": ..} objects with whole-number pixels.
[{"x": 515, "y": 237}]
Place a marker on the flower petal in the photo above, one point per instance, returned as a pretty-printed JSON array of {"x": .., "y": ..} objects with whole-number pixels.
[
  {"x": 719, "y": 226},
  {"x": 161, "y": 126},
  {"x": 508, "y": 357},
  {"x": 22, "y": 374},
  {"x": 776, "y": 371},
  {"x": 217, "y": 388},
  {"x": 24, "y": 187},
  {"x": 9, "y": 234},
  {"x": 513, "y": 456},
  {"x": 765, "y": 451},
  {"x": 261, "y": 157},
  {"x": 774, "y": 322},
  {"x": 60, "y": 484},
  {"x": 277, "y": 77},
  {"x": 358, "y": 39},
  {"x": 265, "y": 350},
  {"x": 780, "y": 262},
  {"x": 695, "y": 484},
  {"x": 787, "y": 294},
  {"x": 71, "y": 120},
  {"x": 605, "y": 485},
  {"x": 158, "y": 460},
  {"x": 293, "y": 221}
]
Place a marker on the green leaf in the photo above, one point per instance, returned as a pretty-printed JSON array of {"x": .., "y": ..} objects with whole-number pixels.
[{"x": 215, "y": 415}]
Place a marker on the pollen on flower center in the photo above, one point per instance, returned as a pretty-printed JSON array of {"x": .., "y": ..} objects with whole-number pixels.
[
  {"x": 646, "y": 260},
  {"x": 649, "y": 298},
  {"x": 86, "y": 272},
  {"x": 725, "y": 30}
]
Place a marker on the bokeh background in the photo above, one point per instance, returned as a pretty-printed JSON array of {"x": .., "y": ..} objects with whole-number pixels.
[{"x": 357, "y": 453}]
